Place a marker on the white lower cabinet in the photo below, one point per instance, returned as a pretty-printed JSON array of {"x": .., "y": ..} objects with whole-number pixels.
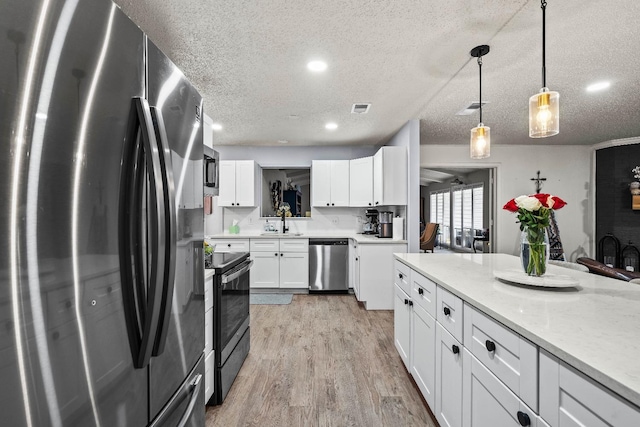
[
  {"x": 208, "y": 340},
  {"x": 448, "y": 390},
  {"x": 265, "y": 272},
  {"x": 376, "y": 274},
  {"x": 279, "y": 263},
  {"x": 568, "y": 398},
  {"x": 423, "y": 352},
  {"x": 402, "y": 325},
  {"x": 488, "y": 402},
  {"x": 209, "y": 371},
  {"x": 294, "y": 270}
]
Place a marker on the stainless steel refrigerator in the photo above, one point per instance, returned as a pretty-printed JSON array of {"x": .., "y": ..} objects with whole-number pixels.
[{"x": 101, "y": 278}]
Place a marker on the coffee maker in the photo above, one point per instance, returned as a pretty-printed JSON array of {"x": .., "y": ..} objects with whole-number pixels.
[
  {"x": 385, "y": 224},
  {"x": 371, "y": 225}
]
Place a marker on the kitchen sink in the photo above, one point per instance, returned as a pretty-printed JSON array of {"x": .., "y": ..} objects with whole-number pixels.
[{"x": 277, "y": 234}]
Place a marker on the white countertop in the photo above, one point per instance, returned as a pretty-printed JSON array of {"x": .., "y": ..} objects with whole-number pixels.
[
  {"x": 594, "y": 328},
  {"x": 360, "y": 238},
  {"x": 209, "y": 272}
]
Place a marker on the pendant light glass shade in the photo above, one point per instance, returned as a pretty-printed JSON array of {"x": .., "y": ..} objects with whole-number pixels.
[
  {"x": 544, "y": 114},
  {"x": 480, "y": 142}
]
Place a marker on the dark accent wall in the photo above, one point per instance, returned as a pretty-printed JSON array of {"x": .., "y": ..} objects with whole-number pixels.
[{"x": 613, "y": 199}]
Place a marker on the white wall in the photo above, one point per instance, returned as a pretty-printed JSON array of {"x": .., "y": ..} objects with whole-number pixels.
[
  {"x": 291, "y": 156},
  {"x": 568, "y": 172},
  {"x": 409, "y": 136}
]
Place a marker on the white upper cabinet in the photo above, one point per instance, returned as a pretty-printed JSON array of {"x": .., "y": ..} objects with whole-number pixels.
[
  {"x": 390, "y": 176},
  {"x": 237, "y": 183},
  {"x": 330, "y": 183},
  {"x": 361, "y": 182}
]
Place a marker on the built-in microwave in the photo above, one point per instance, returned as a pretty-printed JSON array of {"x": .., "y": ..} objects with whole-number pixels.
[{"x": 211, "y": 171}]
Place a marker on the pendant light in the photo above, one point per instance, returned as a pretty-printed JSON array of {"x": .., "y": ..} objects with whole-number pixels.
[
  {"x": 481, "y": 134},
  {"x": 544, "y": 111}
]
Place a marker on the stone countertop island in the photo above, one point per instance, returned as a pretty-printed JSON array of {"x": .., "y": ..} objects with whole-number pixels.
[{"x": 594, "y": 327}]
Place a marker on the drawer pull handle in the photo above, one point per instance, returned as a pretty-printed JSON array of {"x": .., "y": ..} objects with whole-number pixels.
[
  {"x": 229, "y": 245},
  {"x": 420, "y": 291},
  {"x": 400, "y": 275},
  {"x": 491, "y": 346},
  {"x": 410, "y": 303},
  {"x": 406, "y": 301},
  {"x": 523, "y": 419},
  {"x": 455, "y": 349},
  {"x": 447, "y": 311}
]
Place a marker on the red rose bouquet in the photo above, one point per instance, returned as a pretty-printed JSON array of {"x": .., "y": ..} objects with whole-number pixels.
[{"x": 533, "y": 215}]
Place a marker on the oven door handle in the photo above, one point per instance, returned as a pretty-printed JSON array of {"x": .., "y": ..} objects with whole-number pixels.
[{"x": 226, "y": 278}]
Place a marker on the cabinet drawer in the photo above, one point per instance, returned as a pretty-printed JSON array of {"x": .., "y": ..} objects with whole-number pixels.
[
  {"x": 402, "y": 277},
  {"x": 208, "y": 293},
  {"x": 423, "y": 292},
  {"x": 488, "y": 402},
  {"x": 569, "y": 398},
  {"x": 294, "y": 245},
  {"x": 506, "y": 354},
  {"x": 265, "y": 245},
  {"x": 231, "y": 245},
  {"x": 449, "y": 312},
  {"x": 209, "y": 370},
  {"x": 208, "y": 331}
]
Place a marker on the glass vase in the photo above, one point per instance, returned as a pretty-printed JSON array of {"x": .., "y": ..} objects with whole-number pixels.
[{"x": 534, "y": 251}]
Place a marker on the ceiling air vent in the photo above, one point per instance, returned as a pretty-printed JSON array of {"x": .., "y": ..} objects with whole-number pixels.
[
  {"x": 360, "y": 108},
  {"x": 471, "y": 108}
]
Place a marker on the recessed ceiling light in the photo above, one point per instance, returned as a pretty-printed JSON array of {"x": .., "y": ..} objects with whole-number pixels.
[
  {"x": 317, "y": 66},
  {"x": 293, "y": 117},
  {"x": 216, "y": 126},
  {"x": 598, "y": 86},
  {"x": 331, "y": 126},
  {"x": 283, "y": 141}
]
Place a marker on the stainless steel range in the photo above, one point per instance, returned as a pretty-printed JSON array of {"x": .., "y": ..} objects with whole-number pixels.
[{"x": 231, "y": 333}]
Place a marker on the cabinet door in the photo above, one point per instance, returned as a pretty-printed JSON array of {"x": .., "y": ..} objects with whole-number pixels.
[
  {"x": 321, "y": 183},
  {"x": 340, "y": 183},
  {"x": 423, "y": 353},
  {"x": 227, "y": 190},
  {"x": 361, "y": 182},
  {"x": 402, "y": 325},
  {"x": 570, "y": 399},
  {"x": 208, "y": 331},
  {"x": 209, "y": 370},
  {"x": 294, "y": 270},
  {"x": 378, "y": 178},
  {"x": 448, "y": 391},
  {"x": 265, "y": 272},
  {"x": 245, "y": 181},
  {"x": 488, "y": 402}
]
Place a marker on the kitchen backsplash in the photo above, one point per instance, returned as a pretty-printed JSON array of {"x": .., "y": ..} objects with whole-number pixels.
[{"x": 322, "y": 219}]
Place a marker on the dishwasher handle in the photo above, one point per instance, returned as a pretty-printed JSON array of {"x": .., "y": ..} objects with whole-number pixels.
[{"x": 328, "y": 242}]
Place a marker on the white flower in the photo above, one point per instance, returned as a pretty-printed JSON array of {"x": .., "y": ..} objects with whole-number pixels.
[{"x": 528, "y": 203}]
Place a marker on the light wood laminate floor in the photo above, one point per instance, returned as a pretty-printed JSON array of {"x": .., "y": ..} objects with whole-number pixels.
[{"x": 323, "y": 360}]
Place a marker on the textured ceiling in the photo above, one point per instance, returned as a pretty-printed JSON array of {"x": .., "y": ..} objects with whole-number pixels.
[{"x": 409, "y": 58}]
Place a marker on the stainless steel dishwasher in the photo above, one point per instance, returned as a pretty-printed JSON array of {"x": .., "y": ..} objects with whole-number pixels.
[{"x": 329, "y": 265}]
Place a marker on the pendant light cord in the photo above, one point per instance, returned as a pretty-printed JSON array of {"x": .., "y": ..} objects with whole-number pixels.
[
  {"x": 544, "y": 42},
  {"x": 480, "y": 70}
]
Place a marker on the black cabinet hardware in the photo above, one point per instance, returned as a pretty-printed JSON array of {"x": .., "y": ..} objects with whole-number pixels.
[
  {"x": 455, "y": 349},
  {"x": 524, "y": 419},
  {"x": 491, "y": 346},
  {"x": 410, "y": 303},
  {"x": 420, "y": 291},
  {"x": 447, "y": 311}
]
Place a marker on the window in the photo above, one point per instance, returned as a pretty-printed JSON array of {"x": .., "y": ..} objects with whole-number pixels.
[{"x": 467, "y": 214}]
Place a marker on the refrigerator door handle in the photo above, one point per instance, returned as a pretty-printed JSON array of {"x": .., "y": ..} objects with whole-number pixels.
[
  {"x": 196, "y": 384},
  {"x": 170, "y": 230},
  {"x": 141, "y": 305}
]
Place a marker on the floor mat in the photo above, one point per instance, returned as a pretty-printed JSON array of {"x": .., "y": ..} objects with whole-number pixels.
[{"x": 278, "y": 299}]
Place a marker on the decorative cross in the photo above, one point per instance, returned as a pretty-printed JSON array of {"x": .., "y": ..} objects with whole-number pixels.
[{"x": 538, "y": 181}]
